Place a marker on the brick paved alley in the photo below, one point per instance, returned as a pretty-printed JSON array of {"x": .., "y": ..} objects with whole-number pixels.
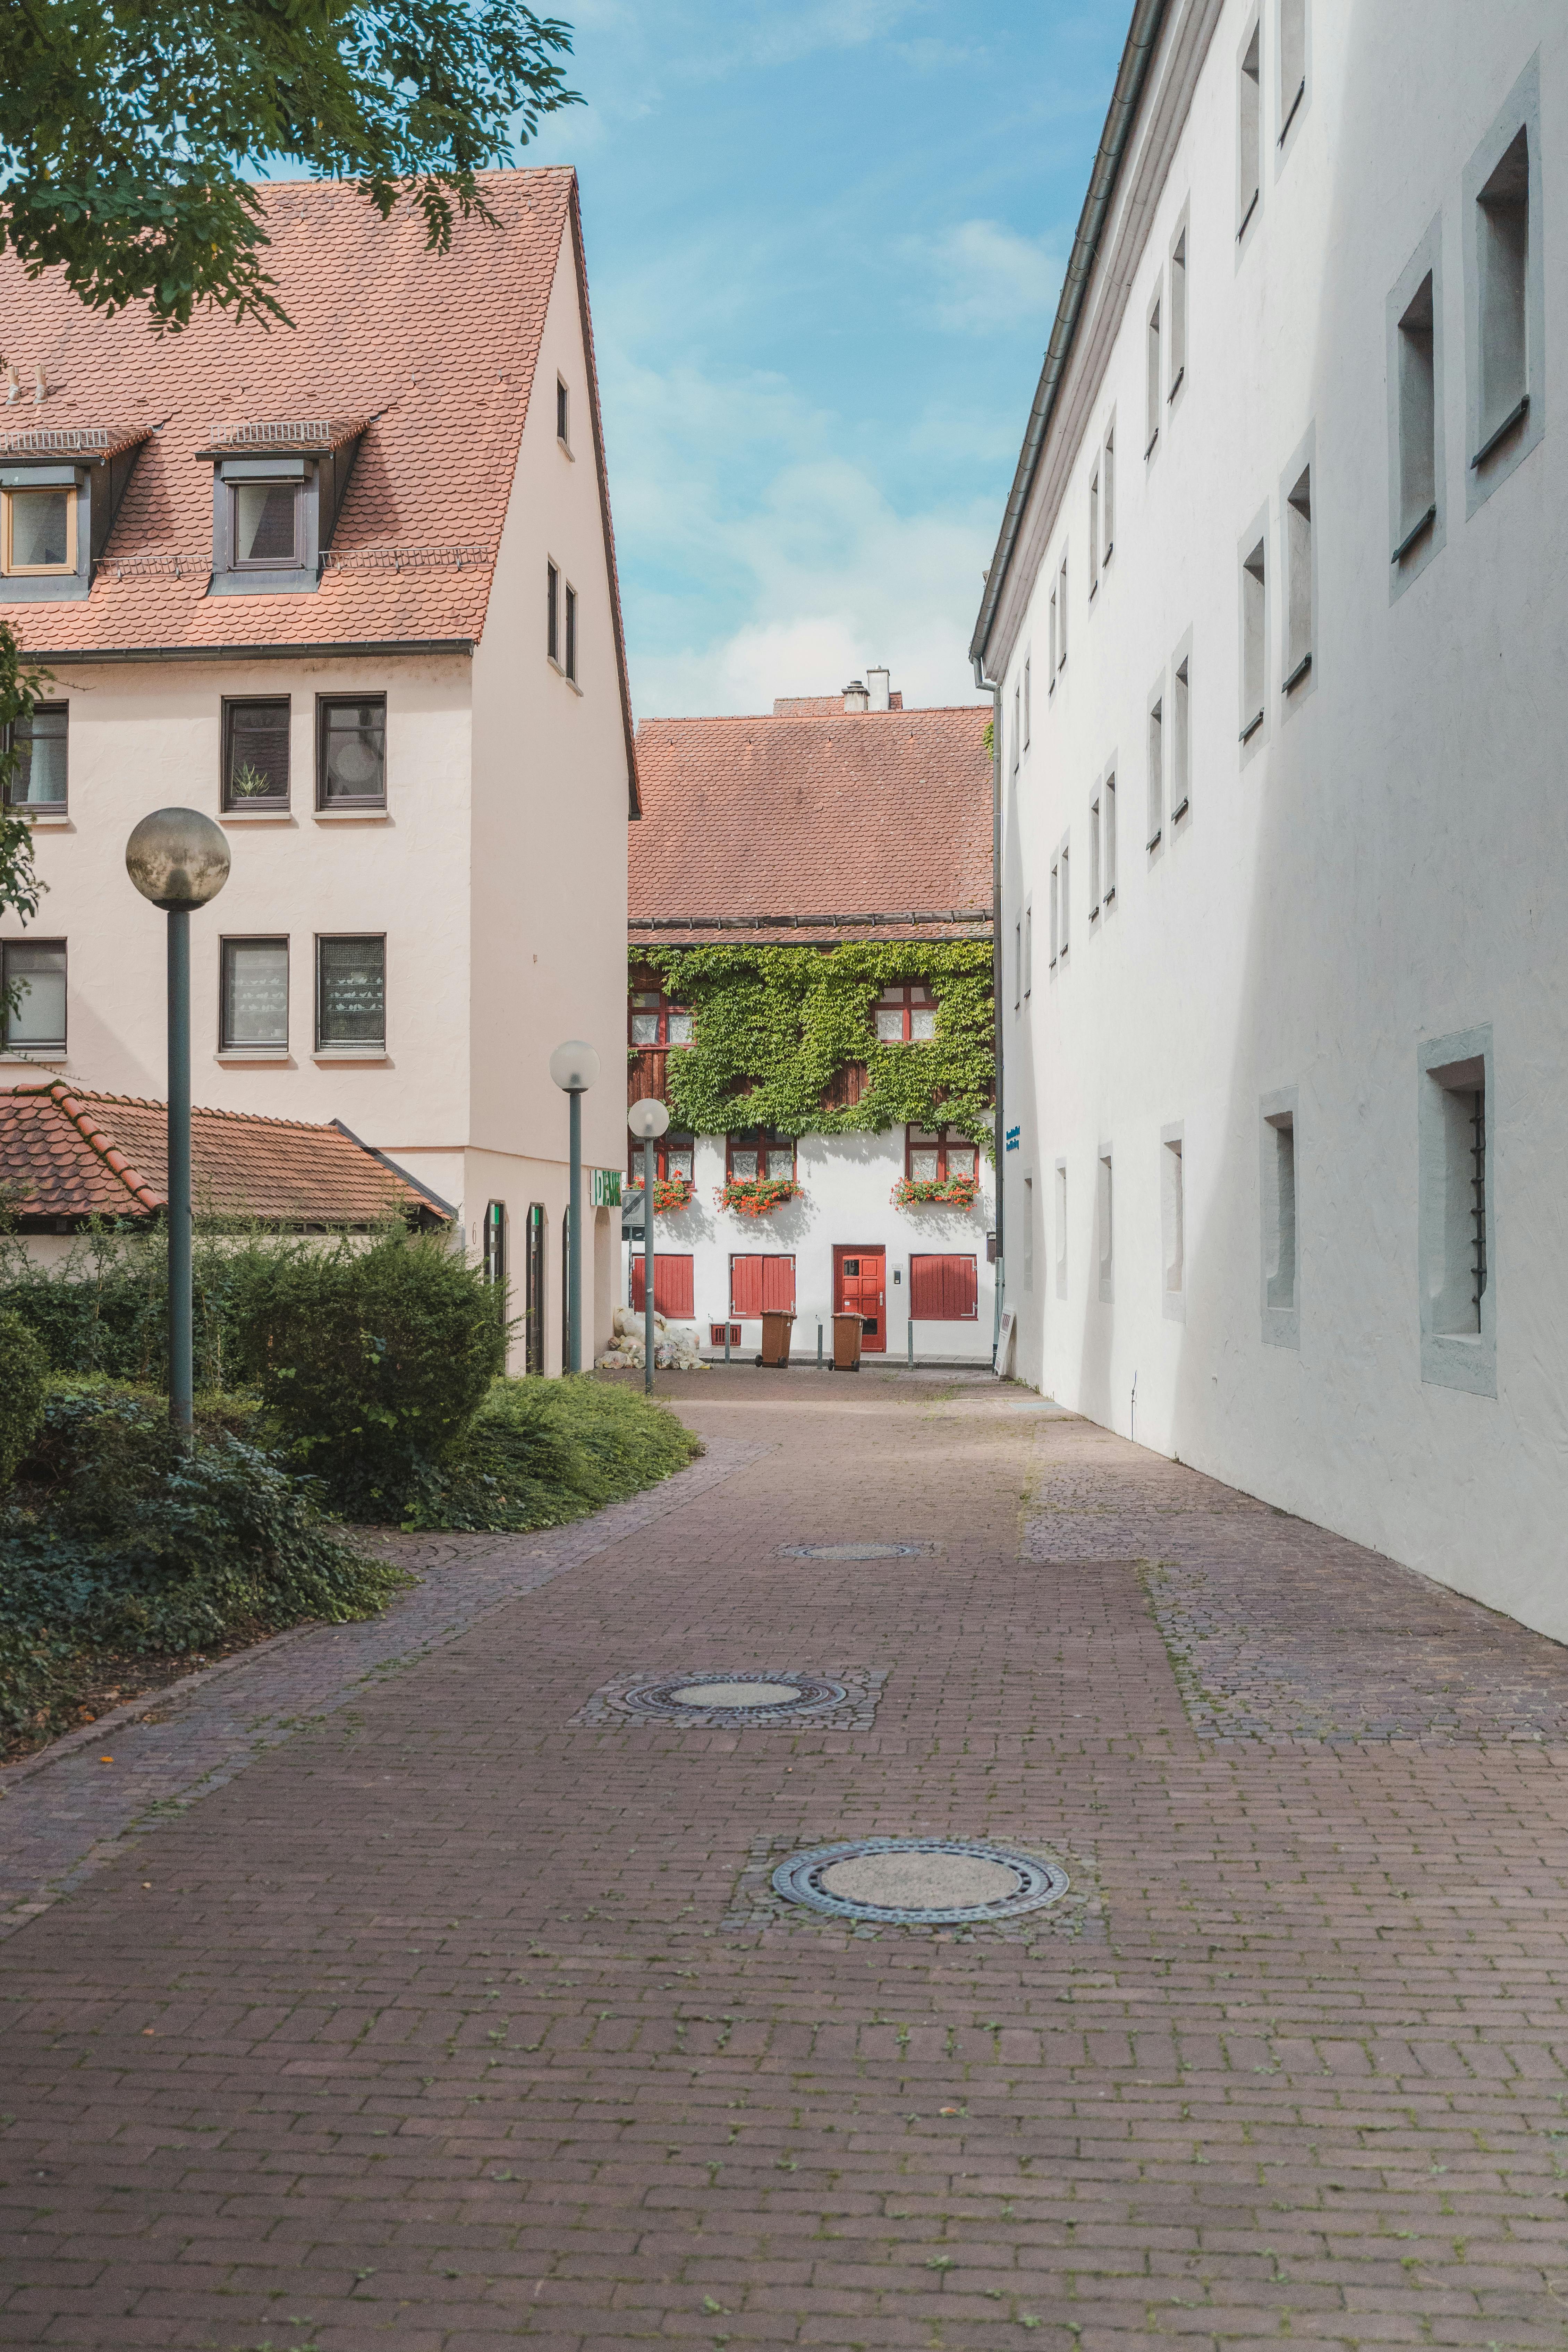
[{"x": 465, "y": 2014}]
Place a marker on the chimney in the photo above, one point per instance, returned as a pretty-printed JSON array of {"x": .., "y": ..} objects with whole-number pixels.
[
  {"x": 877, "y": 684},
  {"x": 855, "y": 695}
]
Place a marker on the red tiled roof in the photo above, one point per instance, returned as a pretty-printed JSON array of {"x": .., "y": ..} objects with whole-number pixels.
[
  {"x": 72, "y": 1155},
  {"x": 785, "y": 827}
]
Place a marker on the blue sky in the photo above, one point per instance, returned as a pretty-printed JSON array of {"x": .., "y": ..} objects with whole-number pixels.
[{"x": 825, "y": 243}]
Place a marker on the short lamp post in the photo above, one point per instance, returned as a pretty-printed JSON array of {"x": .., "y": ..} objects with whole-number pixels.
[
  {"x": 574, "y": 1068},
  {"x": 179, "y": 859},
  {"x": 647, "y": 1121}
]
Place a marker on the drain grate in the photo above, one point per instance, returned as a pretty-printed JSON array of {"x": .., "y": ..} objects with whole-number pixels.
[
  {"x": 727, "y": 1697},
  {"x": 858, "y": 1551},
  {"x": 919, "y": 1882}
]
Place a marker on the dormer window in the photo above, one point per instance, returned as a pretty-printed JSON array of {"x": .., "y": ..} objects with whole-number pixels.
[
  {"x": 264, "y": 521},
  {"x": 37, "y": 532}
]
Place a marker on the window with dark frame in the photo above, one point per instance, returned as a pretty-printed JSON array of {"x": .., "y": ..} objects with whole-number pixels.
[
  {"x": 37, "y": 969},
  {"x": 656, "y": 1020},
  {"x": 553, "y": 611},
  {"x": 352, "y": 752},
  {"x": 1503, "y": 260},
  {"x": 1417, "y": 418},
  {"x": 350, "y": 994},
  {"x": 38, "y": 776},
  {"x": 254, "y": 1005},
  {"x": 940, "y": 1156},
  {"x": 569, "y": 664},
  {"x": 495, "y": 1243},
  {"x": 751, "y": 1153},
  {"x": 905, "y": 1014},
  {"x": 562, "y": 414},
  {"x": 265, "y": 520},
  {"x": 256, "y": 753},
  {"x": 674, "y": 1155}
]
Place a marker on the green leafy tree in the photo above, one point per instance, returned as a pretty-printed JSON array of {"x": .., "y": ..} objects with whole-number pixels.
[
  {"x": 126, "y": 127},
  {"x": 20, "y": 888}
]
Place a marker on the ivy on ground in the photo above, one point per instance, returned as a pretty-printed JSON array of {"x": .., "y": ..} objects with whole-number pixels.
[{"x": 776, "y": 1027}]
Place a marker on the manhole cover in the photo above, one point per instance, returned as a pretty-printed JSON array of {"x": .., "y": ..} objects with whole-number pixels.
[
  {"x": 919, "y": 1882},
  {"x": 731, "y": 1697},
  {"x": 856, "y": 1551}
]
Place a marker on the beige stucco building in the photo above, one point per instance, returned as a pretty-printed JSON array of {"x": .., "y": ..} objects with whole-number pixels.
[{"x": 349, "y": 587}]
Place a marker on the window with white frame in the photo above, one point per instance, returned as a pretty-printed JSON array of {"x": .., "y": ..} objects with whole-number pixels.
[
  {"x": 1019, "y": 963},
  {"x": 1416, "y": 416},
  {"x": 1067, "y": 896},
  {"x": 1093, "y": 533},
  {"x": 1062, "y": 614},
  {"x": 1249, "y": 130},
  {"x": 1292, "y": 45},
  {"x": 1055, "y": 662},
  {"x": 1156, "y": 737},
  {"x": 1061, "y": 1192},
  {"x": 1108, "y": 494},
  {"x": 1173, "y": 1221},
  {"x": 32, "y": 996},
  {"x": 1108, "y": 818},
  {"x": 1104, "y": 1217},
  {"x": 1056, "y": 913},
  {"x": 1181, "y": 737},
  {"x": 1504, "y": 292},
  {"x": 253, "y": 1008},
  {"x": 1094, "y": 860},
  {"x": 1151, "y": 376},
  {"x": 1030, "y": 949},
  {"x": 1459, "y": 1313},
  {"x": 1254, "y": 637},
  {"x": 1297, "y": 581},
  {"x": 1276, "y": 1191},
  {"x": 1017, "y": 725},
  {"x": 1028, "y": 698},
  {"x": 1502, "y": 233},
  {"x": 1178, "y": 326}
]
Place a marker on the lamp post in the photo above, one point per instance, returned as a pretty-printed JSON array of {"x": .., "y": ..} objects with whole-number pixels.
[
  {"x": 574, "y": 1068},
  {"x": 179, "y": 859},
  {"x": 647, "y": 1121}
]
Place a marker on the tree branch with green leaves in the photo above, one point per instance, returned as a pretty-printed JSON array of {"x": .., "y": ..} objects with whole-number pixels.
[
  {"x": 20, "y": 888},
  {"x": 126, "y": 128}
]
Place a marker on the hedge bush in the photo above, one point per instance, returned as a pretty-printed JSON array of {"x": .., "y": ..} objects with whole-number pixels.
[
  {"x": 369, "y": 1361},
  {"x": 118, "y": 1541},
  {"x": 24, "y": 1370},
  {"x": 539, "y": 1452}
]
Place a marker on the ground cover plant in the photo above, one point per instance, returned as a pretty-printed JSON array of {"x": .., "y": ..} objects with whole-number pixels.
[
  {"x": 539, "y": 1452},
  {"x": 122, "y": 1546}
]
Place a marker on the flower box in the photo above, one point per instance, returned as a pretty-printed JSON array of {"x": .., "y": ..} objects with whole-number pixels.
[
  {"x": 756, "y": 1196},
  {"x": 672, "y": 1193},
  {"x": 928, "y": 1192}
]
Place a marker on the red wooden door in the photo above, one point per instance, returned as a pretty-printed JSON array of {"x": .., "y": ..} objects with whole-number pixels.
[
  {"x": 860, "y": 1287},
  {"x": 674, "y": 1291}
]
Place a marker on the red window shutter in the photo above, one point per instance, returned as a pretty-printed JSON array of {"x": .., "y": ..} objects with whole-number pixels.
[
  {"x": 943, "y": 1289},
  {"x": 674, "y": 1291},
  {"x": 778, "y": 1286},
  {"x": 963, "y": 1288},
  {"x": 925, "y": 1289},
  {"x": 746, "y": 1286}
]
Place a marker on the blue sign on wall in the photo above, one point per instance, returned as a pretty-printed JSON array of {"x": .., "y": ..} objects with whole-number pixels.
[{"x": 1013, "y": 1134}]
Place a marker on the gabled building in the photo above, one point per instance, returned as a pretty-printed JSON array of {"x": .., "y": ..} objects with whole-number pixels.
[
  {"x": 1275, "y": 627},
  {"x": 350, "y": 588},
  {"x": 811, "y": 994}
]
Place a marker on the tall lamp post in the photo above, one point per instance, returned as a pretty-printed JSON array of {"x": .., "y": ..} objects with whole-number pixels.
[
  {"x": 647, "y": 1121},
  {"x": 574, "y": 1068},
  {"x": 179, "y": 859}
]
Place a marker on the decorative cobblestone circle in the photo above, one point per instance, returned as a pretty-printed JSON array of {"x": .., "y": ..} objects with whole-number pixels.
[
  {"x": 858, "y": 1551},
  {"x": 729, "y": 1697},
  {"x": 919, "y": 1882}
]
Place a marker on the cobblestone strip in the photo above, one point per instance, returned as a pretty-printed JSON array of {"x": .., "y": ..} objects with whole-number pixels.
[{"x": 65, "y": 1813}]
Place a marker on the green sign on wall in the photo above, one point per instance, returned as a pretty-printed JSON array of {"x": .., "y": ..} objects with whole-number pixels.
[{"x": 603, "y": 1187}]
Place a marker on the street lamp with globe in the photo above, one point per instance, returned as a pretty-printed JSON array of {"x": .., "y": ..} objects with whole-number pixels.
[
  {"x": 179, "y": 859},
  {"x": 574, "y": 1066},
  {"x": 647, "y": 1121}
]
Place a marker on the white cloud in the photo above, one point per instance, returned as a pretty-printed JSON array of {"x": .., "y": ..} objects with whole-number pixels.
[{"x": 987, "y": 278}]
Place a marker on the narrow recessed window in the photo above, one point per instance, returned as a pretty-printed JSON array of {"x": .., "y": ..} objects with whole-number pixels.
[
  {"x": 1417, "y": 419},
  {"x": 1053, "y": 643},
  {"x": 1017, "y": 963},
  {"x": 1093, "y": 532},
  {"x": 1030, "y": 949},
  {"x": 1094, "y": 861},
  {"x": 1458, "y": 1321},
  {"x": 1254, "y": 639},
  {"x": 256, "y": 753},
  {"x": 1061, "y": 1229},
  {"x": 37, "y": 532},
  {"x": 263, "y": 521},
  {"x": 1056, "y": 914},
  {"x": 1502, "y": 255},
  {"x": 562, "y": 414},
  {"x": 1297, "y": 581},
  {"x": 1018, "y": 726},
  {"x": 1067, "y": 896},
  {"x": 1151, "y": 378},
  {"x": 254, "y": 1016},
  {"x": 1172, "y": 1218},
  {"x": 1250, "y": 133},
  {"x": 1026, "y": 701},
  {"x": 35, "y": 779},
  {"x": 569, "y": 664},
  {"x": 1105, "y": 1216},
  {"x": 350, "y": 758},
  {"x": 495, "y": 1244},
  {"x": 1028, "y": 1233},
  {"x": 1292, "y": 62},
  {"x": 33, "y": 996},
  {"x": 1282, "y": 1215},
  {"x": 1062, "y": 615},
  {"x": 1108, "y": 493},
  {"x": 1156, "y": 774},
  {"x": 1178, "y": 315},
  {"x": 351, "y": 994},
  {"x": 1181, "y": 739},
  {"x": 1109, "y": 842},
  {"x": 553, "y": 611}
]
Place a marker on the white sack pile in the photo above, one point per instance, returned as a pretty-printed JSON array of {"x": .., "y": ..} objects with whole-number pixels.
[{"x": 673, "y": 1345}]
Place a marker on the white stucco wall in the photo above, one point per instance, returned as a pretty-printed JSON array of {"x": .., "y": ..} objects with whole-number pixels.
[
  {"x": 847, "y": 1183},
  {"x": 1380, "y": 867}
]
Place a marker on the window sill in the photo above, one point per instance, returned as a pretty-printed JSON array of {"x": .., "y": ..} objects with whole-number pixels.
[
  {"x": 565, "y": 448},
  {"x": 1153, "y": 841},
  {"x": 1516, "y": 416},
  {"x": 1181, "y": 811},
  {"x": 35, "y": 1057},
  {"x": 1422, "y": 524},
  {"x": 1298, "y": 674},
  {"x": 366, "y": 1053},
  {"x": 256, "y": 816},
  {"x": 1251, "y": 728},
  {"x": 1110, "y": 894},
  {"x": 1180, "y": 380},
  {"x": 1148, "y": 444},
  {"x": 1246, "y": 216},
  {"x": 564, "y": 675},
  {"x": 56, "y": 820},
  {"x": 1295, "y": 109},
  {"x": 236, "y": 1056},
  {"x": 369, "y": 815}
]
